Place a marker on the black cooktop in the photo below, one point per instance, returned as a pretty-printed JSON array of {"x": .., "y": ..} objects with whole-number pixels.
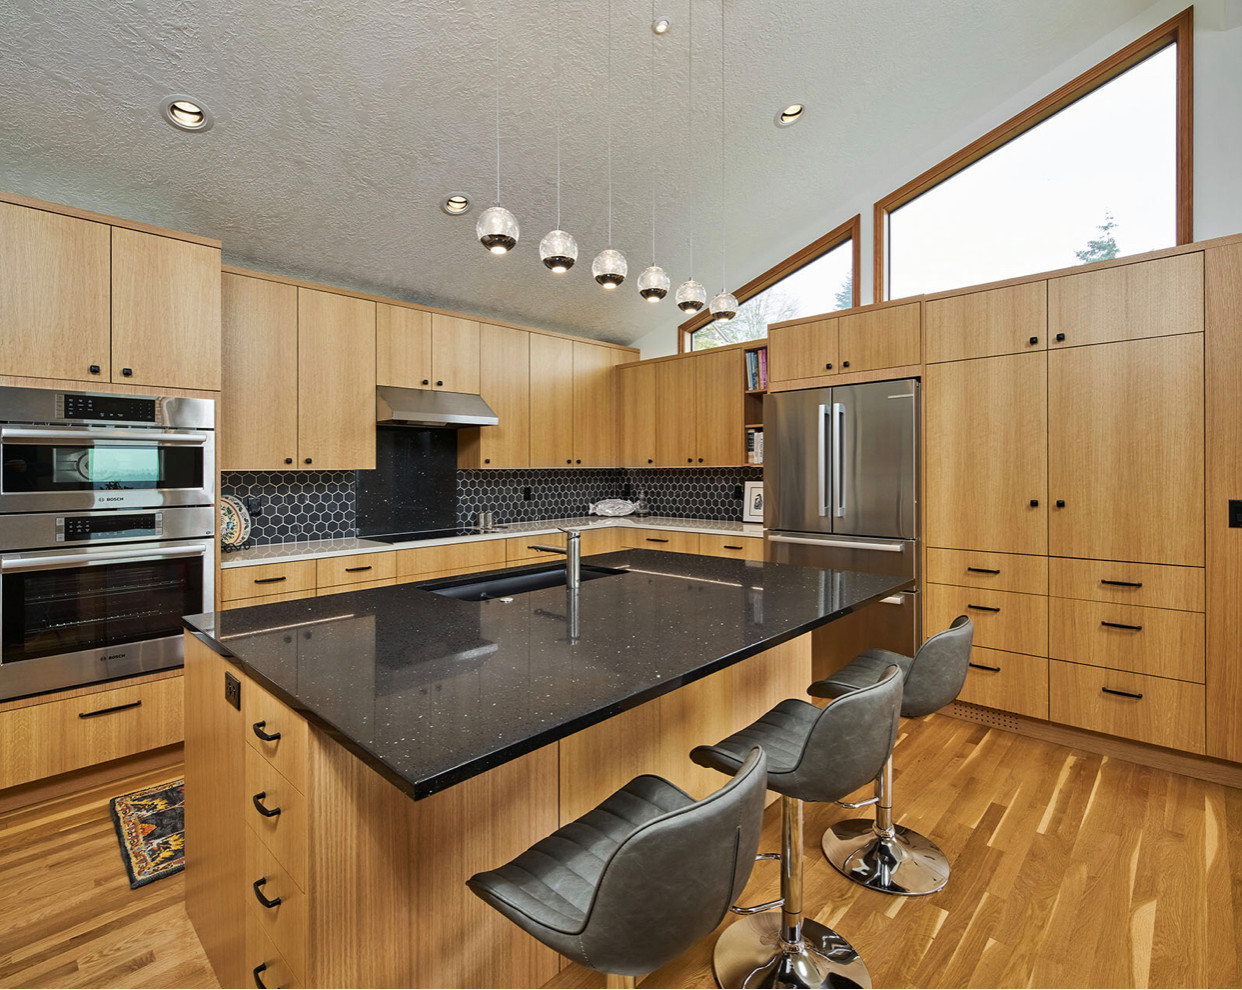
[{"x": 420, "y": 534}]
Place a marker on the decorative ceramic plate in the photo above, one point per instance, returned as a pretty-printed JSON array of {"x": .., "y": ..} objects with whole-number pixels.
[
  {"x": 612, "y": 507},
  {"x": 234, "y": 521}
]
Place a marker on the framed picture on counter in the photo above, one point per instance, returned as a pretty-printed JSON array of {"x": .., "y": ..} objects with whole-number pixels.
[{"x": 752, "y": 511}]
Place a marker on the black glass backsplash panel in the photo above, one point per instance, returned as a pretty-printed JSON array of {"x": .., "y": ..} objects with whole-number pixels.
[{"x": 414, "y": 485}]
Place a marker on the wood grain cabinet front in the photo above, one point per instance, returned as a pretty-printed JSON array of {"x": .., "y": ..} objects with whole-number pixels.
[
  {"x": 278, "y": 904},
  {"x": 636, "y": 387},
  {"x": 671, "y": 540},
  {"x": 504, "y": 382},
  {"x": 551, "y": 402},
  {"x": 982, "y": 569},
  {"x": 1159, "y": 641},
  {"x": 1003, "y": 620},
  {"x": 277, "y": 733},
  {"x": 261, "y": 580},
  {"x": 478, "y": 555},
  {"x": 883, "y": 337},
  {"x": 357, "y": 568},
  {"x": 803, "y": 350},
  {"x": 1011, "y": 682},
  {"x": 738, "y": 547},
  {"x": 264, "y": 965},
  {"x": 1127, "y": 583},
  {"x": 1009, "y": 320},
  {"x": 276, "y": 811}
]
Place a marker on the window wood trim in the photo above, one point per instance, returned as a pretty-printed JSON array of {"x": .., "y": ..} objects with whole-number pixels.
[
  {"x": 850, "y": 230},
  {"x": 1178, "y": 30}
]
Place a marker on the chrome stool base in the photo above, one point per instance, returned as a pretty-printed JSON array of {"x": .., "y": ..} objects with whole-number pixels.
[
  {"x": 750, "y": 953},
  {"x": 904, "y": 863}
]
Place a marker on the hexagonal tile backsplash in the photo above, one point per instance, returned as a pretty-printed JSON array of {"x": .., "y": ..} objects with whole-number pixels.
[{"x": 295, "y": 505}]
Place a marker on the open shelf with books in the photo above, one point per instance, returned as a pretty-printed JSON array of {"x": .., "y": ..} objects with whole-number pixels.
[{"x": 756, "y": 388}]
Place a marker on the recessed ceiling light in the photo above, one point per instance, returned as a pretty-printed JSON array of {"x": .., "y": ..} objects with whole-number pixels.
[
  {"x": 790, "y": 114},
  {"x": 661, "y": 24},
  {"x": 186, "y": 113},
  {"x": 455, "y": 204}
]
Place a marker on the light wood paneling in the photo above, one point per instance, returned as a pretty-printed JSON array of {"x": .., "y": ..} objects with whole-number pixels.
[
  {"x": 676, "y": 413},
  {"x": 1012, "y": 320},
  {"x": 1126, "y": 583},
  {"x": 260, "y": 580},
  {"x": 285, "y": 834},
  {"x": 881, "y": 338},
  {"x": 719, "y": 407},
  {"x": 258, "y": 411},
  {"x": 740, "y": 547},
  {"x": 804, "y": 350},
  {"x": 602, "y": 540},
  {"x": 54, "y": 295},
  {"x": 165, "y": 311},
  {"x": 336, "y": 382},
  {"x": 454, "y": 354},
  {"x": 551, "y": 402},
  {"x": 1157, "y": 641},
  {"x": 985, "y": 459},
  {"x": 1019, "y": 623},
  {"x": 674, "y": 541},
  {"x": 288, "y": 753},
  {"x": 284, "y": 924},
  {"x": 341, "y": 589},
  {"x": 1164, "y": 713},
  {"x": 291, "y": 596},
  {"x": 636, "y": 387},
  {"x": 402, "y": 346},
  {"x": 700, "y": 713},
  {"x": 980, "y": 569},
  {"x": 604, "y": 757},
  {"x": 595, "y": 405},
  {"x": 1010, "y": 682},
  {"x": 504, "y": 382},
  {"x": 263, "y": 959},
  {"x": 355, "y": 568},
  {"x": 479, "y": 554},
  {"x": 1125, "y": 449},
  {"x": 1147, "y": 299},
  {"x": 518, "y": 548}
]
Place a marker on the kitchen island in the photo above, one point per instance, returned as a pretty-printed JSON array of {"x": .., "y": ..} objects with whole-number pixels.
[{"x": 422, "y": 738}]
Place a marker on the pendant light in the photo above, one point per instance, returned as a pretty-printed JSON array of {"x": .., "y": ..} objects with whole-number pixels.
[
  {"x": 558, "y": 250},
  {"x": 723, "y": 306},
  {"x": 653, "y": 283},
  {"x": 609, "y": 266},
  {"x": 691, "y": 296},
  {"x": 497, "y": 228}
]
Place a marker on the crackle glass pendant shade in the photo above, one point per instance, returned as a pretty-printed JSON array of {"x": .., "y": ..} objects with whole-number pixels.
[
  {"x": 497, "y": 230},
  {"x": 691, "y": 296},
  {"x": 724, "y": 306},
  {"x": 609, "y": 268},
  {"x": 653, "y": 283},
  {"x": 558, "y": 250}
]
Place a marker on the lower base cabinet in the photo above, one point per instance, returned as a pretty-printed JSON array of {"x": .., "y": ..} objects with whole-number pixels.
[{"x": 1012, "y": 682}]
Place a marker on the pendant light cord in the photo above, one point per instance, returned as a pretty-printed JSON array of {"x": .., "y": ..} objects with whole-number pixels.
[
  {"x": 497, "y": 118},
  {"x": 724, "y": 285},
  {"x": 653, "y": 151},
  {"x": 609, "y": 112},
  {"x": 560, "y": 78},
  {"x": 694, "y": 192}
]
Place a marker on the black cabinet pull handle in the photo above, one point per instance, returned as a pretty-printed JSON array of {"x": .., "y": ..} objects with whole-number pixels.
[
  {"x": 265, "y": 736},
  {"x": 487, "y": 460},
  {"x": 1060, "y": 503},
  {"x": 983, "y": 608},
  {"x": 440, "y": 383},
  {"x": 1034, "y": 340},
  {"x": 94, "y": 369},
  {"x": 845, "y": 364},
  {"x": 983, "y": 570},
  {"x": 828, "y": 366},
  {"x": 258, "y": 892},
  {"x": 308, "y": 460},
  {"x": 650, "y": 460},
  {"x": 109, "y": 711},
  {"x": 689, "y": 460},
  {"x": 578, "y": 461},
  {"x": 426, "y": 381},
  {"x": 352, "y": 570},
  {"x": 288, "y": 460},
  {"x": 568, "y": 460},
  {"x": 272, "y": 580},
  {"x": 1123, "y": 694},
  {"x": 984, "y": 666},
  {"x": 1034, "y": 503},
  {"x": 127, "y": 372},
  {"x": 728, "y": 547},
  {"x": 1121, "y": 625},
  {"x": 261, "y": 808},
  {"x": 258, "y": 973},
  {"x": 652, "y": 539},
  {"x": 1060, "y": 337},
  {"x": 1122, "y": 584}
]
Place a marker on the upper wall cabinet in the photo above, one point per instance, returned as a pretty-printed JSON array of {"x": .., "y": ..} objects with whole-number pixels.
[
  {"x": 636, "y": 388},
  {"x": 881, "y": 337},
  {"x": 551, "y": 401},
  {"x": 803, "y": 350},
  {"x": 418, "y": 349},
  {"x": 699, "y": 410},
  {"x": 595, "y": 404},
  {"x": 504, "y": 381},
  {"x": 1010, "y": 320}
]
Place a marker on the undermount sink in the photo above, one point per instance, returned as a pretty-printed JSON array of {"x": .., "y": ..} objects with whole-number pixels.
[{"x": 476, "y": 590}]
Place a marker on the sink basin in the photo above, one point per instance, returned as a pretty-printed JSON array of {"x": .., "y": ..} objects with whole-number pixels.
[{"x": 470, "y": 589}]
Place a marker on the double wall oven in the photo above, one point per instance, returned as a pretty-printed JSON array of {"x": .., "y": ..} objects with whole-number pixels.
[{"x": 107, "y": 522}]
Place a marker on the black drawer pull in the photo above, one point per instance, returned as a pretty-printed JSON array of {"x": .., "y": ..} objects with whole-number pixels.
[
  {"x": 729, "y": 547},
  {"x": 1122, "y": 584},
  {"x": 109, "y": 711},
  {"x": 983, "y": 570},
  {"x": 1034, "y": 340},
  {"x": 352, "y": 570},
  {"x": 1060, "y": 337},
  {"x": 258, "y": 973},
  {"x": 653, "y": 539},
  {"x": 1121, "y": 625},
  {"x": 275, "y": 580},
  {"x": 1123, "y": 694},
  {"x": 261, "y": 808},
  {"x": 258, "y": 892},
  {"x": 983, "y": 608},
  {"x": 1034, "y": 503},
  {"x": 984, "y": 666},
  {"x": 265, "y": 736}
]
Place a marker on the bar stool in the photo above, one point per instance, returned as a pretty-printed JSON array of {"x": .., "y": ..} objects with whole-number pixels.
[
  {"x": 814, "y": 754},
  {"x": 880, "y": 854},
  {"x": 632, "y": 884}
]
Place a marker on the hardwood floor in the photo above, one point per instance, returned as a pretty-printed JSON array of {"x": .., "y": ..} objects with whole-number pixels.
[{"x": 1070, "y": 869}]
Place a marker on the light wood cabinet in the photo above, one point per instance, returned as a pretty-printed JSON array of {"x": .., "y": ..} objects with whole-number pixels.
[
  {"x": 551, "y": 401},
  {"x": 479, "y": 555},
  {"x": 672, "y": 540},
  {"x": 356, "y": 568},
  {"x": 336, "y": 382},
  {"x": 1012, "y": 682},
  {"x": 983, "y": 569},
  {"x": 165, "y": 311},
  {"x": 1125, "y": 583},
  {"x": 676, "y": 413},
  {"x": 719, "y": 401},
  {"x": 595, "y": 404},
  {"x": 1009, "y": 320},
  {"x": 402, "y": 346},
  {"x": 986, "y": 455},
  {"x": 883, "y": 337},
  {"x": 1125, "y": 448},
  {"x": 1147, "y": 299},
  {"x": 803, "y": 350},
  {"x": 454, "y": 354},
  {"x": 1004, "y": 620},
  {"x": 1160, "y": 641},
  {"x": 258, "y": 580},
  {"x": 54, "y": 295},
  {"x": 636, "y": 386},
  {"x": 504, "y": 382},
  {"x": 738, "y": 547},
  {"x": 259, "y": 393}
]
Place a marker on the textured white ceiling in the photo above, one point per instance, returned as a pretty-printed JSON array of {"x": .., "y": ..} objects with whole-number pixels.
[{"x": 341, "y": 123}]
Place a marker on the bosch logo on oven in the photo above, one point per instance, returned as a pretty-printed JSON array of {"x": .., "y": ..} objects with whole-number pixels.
[{"x": 114, "y": 656}]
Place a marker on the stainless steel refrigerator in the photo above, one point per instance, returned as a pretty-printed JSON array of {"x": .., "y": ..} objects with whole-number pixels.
[{"x": 841, "y": 489}]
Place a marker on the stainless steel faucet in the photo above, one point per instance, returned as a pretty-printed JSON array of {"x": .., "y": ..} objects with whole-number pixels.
[{"x": 573, "y": 556}]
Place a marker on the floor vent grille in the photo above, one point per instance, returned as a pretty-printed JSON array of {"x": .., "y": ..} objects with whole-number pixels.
[{"x": 984, "y": 716}]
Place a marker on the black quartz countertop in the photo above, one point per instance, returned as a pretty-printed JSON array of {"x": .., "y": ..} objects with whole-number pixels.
[{"x": 431, "y": 691}]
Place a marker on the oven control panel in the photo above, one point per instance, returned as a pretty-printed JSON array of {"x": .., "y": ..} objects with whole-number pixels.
[
  {"x": 107, "y": 408},
  {"x": 113, "y": 526}
]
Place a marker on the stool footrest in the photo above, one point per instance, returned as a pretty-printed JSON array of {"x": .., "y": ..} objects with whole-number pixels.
[
  {"x": 858, "y": 804},
  {"x": 758, "y": 908}
]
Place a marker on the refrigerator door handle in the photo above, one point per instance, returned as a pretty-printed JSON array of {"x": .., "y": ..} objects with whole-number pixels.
[
  {"x": 838, "y": 459},
  {"x": 823, "y": 467},
  {"x": 896, "y": 547}
]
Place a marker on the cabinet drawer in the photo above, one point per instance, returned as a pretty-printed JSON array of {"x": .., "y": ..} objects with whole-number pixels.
[
  {"x": 980, "y": 569},
  {"x": 355, "y": 568},
  {"x": 519, "y": 547},
  {"x": 1157, "y": 641},
  {"x": 292, "y": 596},
  {"x": 605, "y": 540},
  {"x": 284, "y": 834},
  {"x": 1003, "y": 620},
  {"x": 481, "y": 555},
  {"x": 264, "y": 965},
  {"x": 1159, "y": 585},
  {"x": 267, "y": 579},
  {"x": 1150, "y": 709},
  {"x": 741, "y": 547},
  {"x": 340, "y": 589},
  {"x": 285, "y": 923},
  {"x": 672, "y": 540},
  {"x": 267, "y": 714},
  {"x": 1011, "y": 682}
]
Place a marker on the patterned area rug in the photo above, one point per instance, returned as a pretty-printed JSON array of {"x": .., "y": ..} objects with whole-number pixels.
[{"x": 150, "y": 826}]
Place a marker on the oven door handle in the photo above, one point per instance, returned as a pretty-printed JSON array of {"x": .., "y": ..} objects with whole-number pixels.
[
  {"x": 91, "y": 436},
  {"x": 59, "y": 562}
]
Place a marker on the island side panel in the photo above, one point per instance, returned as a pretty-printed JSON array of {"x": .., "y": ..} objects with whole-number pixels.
[{"x": 604, "y": 757}]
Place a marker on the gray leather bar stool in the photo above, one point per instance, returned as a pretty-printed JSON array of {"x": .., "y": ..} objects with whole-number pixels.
[
  {"x": 814, "y": 754},
  {"x": 880, "y": 854},
  {"x": 634, "y": 883}
]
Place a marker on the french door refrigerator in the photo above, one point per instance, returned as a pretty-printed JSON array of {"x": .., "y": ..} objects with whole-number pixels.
[{"x": 841, "y": 489}]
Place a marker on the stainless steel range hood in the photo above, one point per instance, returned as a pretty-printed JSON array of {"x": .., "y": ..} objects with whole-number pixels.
[{"x": 422, "y": 407}]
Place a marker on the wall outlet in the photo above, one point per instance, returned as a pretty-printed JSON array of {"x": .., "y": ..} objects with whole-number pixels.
[
  {"x": 738, "y": 494},
  {"x": 528, "y": 494},
  {"x": 1235, "y": 513},
  {"x": 232, "y": 690}
]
